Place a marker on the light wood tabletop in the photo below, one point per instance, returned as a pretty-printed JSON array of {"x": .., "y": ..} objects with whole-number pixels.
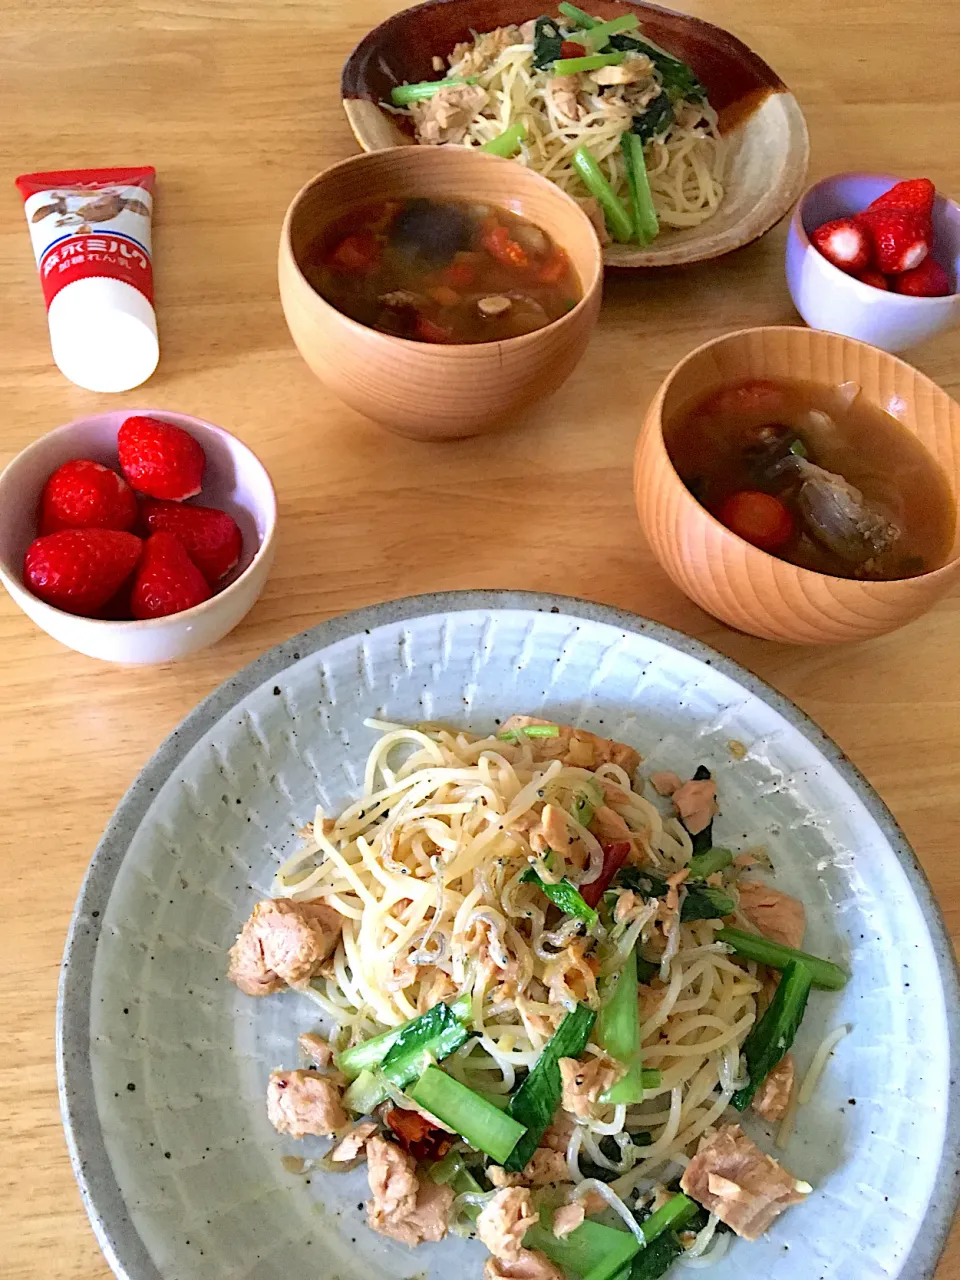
[{"x": 236, "y": 103}]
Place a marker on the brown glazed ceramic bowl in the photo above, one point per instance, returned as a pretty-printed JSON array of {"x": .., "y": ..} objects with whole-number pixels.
[
  {"x": 745, "y": 587},
  {"x": 768, "y": 147},
  {"x": 419, "y": 390}
]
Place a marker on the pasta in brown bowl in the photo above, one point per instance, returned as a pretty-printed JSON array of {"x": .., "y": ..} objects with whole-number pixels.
[
  {"x": 551, "y": 997},
  {"x": 616, "y": 121}
]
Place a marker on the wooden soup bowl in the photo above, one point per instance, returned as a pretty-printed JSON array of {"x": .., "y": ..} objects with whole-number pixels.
[
  {"x": 736, "y": 582},
  {"x": 421, "y": 390},
  {"x": 766, "y": 134}
]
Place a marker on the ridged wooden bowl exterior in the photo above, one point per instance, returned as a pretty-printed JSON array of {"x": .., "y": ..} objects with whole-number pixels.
[
  {"x": 743, "y": 586},
  {"x": 418, "y": 389},
  {"x": 768, "y": 145}
]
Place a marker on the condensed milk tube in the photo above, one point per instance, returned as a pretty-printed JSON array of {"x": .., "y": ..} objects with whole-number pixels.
[{"x": 91, "y": 238}]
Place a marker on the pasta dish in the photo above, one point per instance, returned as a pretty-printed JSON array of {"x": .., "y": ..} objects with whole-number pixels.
[
  {"x": 617, "y": 122},
  {"x": 545, "y": 994}
]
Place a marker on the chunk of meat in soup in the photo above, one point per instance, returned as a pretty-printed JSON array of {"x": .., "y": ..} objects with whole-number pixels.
[
  {"x": 304, "y": 1102},
  {"x": 731, "y": 1177},
  {"x": 778, "y": 916},
  {"x": 316, "y": 1049}
]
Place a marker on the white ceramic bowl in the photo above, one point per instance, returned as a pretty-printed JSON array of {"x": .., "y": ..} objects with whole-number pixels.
[
  {"x": 235, "y": 480},
  {"x": 828, "y": 298}
]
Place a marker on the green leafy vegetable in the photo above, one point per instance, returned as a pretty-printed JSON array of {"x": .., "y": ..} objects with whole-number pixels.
[
  {"x": 678, "y": 78},
  {"x": 576, "y": 15},
  {"x": 563, "y": 895},
  {"x": 618, "y": 1031},
  {"x": 586, "y": 800},
  {"x": 547, "y": 43},
  {"x": 646, "y": 970},
  {"x": 657, "y": 1258},
  {"x": 645, "y": 223},
  {"x": 702, "y": 840},
  {"x": 612, "y": 1151},
  {"x": 402, "y": 95},
  {"x": 508, "y": 143},
  {"x": 674, "y": 1215},
  {"x": 598, "y": 36},
  {"x": 772, "y": 1036},
  {"x": 530, "y": 731},
  {"x": 400, "y": 1055},
  {"x": 371, "y": 1053},
  {"x": 476, "y": 1120},
  {"x": 826, "y": 975},
  {"x": 538, "y": 1097},
  {"x": 655, "y": 119},
  {"x": 592, "y": 62},
  {"x": 647, "y": 883},
  {"x": 592, "y": 1251},
  {"x": 707, "y": 864},
  {"x": 703, "y": 902},
  {"x": 799, "y": 449}
]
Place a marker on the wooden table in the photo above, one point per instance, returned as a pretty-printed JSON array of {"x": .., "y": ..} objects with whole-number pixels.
[{"x": 236, "y": 103}]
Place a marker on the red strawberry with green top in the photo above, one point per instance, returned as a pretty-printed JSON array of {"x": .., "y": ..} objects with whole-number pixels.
[
  {"x": 211, "y": 538},
  {"x": 901, "y": 240},
  {"x": 916, "y": 195},
  {"x": 929, "y": 280},
  {"x": 79, "y": 570},
  {"x": 84, "y": 494},
  {"x": 159, "y": 459},
  {"x": 843, "y": 243},
  {"x": 167, "y": 580}
]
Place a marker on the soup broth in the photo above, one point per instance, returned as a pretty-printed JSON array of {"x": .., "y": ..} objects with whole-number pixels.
[
  {"x": 442, "y": 271},
  {"x": 818, "y": 476}
]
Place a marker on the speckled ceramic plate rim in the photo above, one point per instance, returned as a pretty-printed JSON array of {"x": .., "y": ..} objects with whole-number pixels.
[{"x": 115, "y": 1232}]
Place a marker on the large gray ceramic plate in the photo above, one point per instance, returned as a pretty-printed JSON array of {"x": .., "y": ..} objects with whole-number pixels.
[{"x": 163, "y": 1063}]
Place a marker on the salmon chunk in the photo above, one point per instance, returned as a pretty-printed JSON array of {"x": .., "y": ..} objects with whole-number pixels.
[
  {"x": 530, "y": 1265},
  {"x": 283, "y": 942},
  {"x": 777, "y": 915},
  {"x": 304, "y": 1102},
  {"x": 401, "y": 1206},
  {"x": 584, "y": 1082},
  {"x": 505, "y": 1220},
  {"x": 773, "y": 1097},
  {"x": 731, "y": 1177},
  {"x": 577, "y": 747}
]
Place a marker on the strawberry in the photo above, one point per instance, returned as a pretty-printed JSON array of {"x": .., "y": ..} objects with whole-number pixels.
[
  {"x": 167, "y": 580},
  {"x": 929, "y": 280},
  {"x": 78, "y": 570},
  {"x": 916, "y": 195},
  {"x": 875, "y": 278},
  {"x": 843, "y": 243},
  {"x": 160, "y": 460},
  {"x": 900, "y": 240},
  {"x": 211, "y": 538},
  {"x": 83, "y": 494}
]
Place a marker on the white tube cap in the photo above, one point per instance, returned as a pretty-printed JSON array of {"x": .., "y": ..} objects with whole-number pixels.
[{"x": 104, "y": 334}]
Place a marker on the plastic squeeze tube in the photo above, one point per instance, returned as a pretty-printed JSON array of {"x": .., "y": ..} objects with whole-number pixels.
[{"x": 91, "y": 236}]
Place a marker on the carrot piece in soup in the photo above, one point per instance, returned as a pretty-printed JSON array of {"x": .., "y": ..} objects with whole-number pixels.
[
  {"x": 554, "y": 269},
  {"x": 758, "y": 518},
  {"x": 427, "y": 331}
]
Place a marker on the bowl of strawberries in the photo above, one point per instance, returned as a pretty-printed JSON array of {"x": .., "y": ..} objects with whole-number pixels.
[
  {"x": 138, "y": 536},
  {"x": 876, "y": 258}
]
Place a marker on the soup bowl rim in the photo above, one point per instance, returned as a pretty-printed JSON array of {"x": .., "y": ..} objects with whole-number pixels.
[
  {"x": 588, "y": 289},
  {"x": 654, "y": 418}
]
